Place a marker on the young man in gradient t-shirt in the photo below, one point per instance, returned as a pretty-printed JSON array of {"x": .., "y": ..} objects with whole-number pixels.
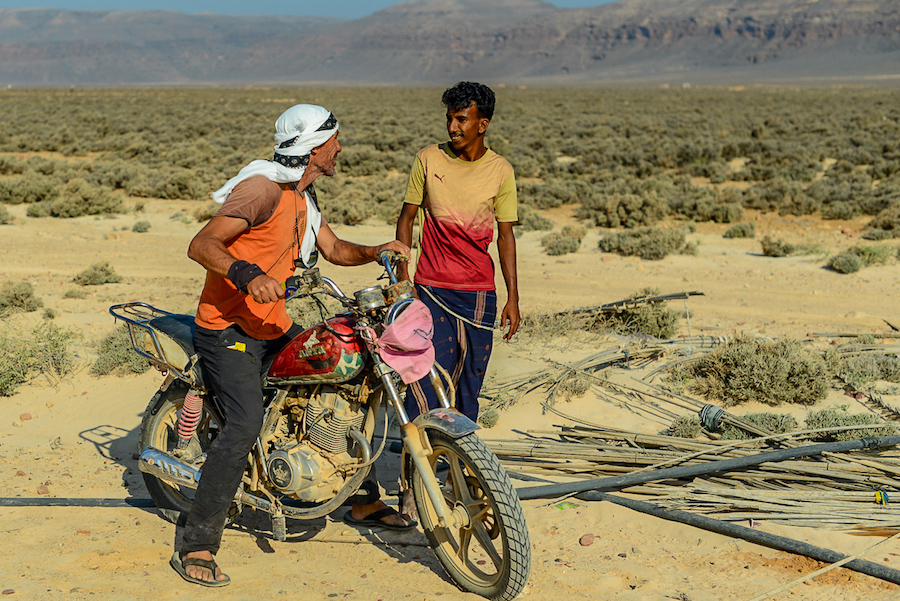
[{"x": 462, "y": 188}]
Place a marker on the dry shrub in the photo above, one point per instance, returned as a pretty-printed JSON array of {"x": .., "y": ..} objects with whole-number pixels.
[
  {"x": 846, "y": 263},
  {"x": 888, "y": 219},
  {"x": 557, "y": 244},
  {"x": 647, "y": 243},
  {"x": 18, "y": 297},
  {"x": 868, "y": 368},
  {"x": 748, "y": 369},
  {"x": 116, "y": 355},
  {"x": 97, "y": 274},
  {"x": 776, "y": 423},
  {"x": 45, "y": 351},
  {"x": 574, "y": 231},
  {"x": 488, "y": 418},
  {"x": 777, "y": 248},
  {"x": 741, "y": 230},
  {"x": 685, "y": 426},
  {"x": 207, "y": 211},
  {"x": 140, "y": 227},
  {"x": 531, "y": 220},
  {"x": 574, "y": 384},
  {"x": 837, "y": 417},
  {"x": 5, "y": 217},
  {"x": 651, "y": 319},
  {"x": 81, "y": 198},
  {"x": 75, "y": 293}
]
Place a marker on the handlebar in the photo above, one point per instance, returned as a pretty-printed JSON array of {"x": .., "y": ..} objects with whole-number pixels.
[{"x": 388, "y": 258}]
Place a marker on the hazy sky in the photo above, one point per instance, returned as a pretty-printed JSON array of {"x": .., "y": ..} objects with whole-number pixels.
[{"x": 346, "y": 9}]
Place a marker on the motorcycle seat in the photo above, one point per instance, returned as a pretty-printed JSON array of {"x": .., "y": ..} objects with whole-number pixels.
[{"x": 180, "y": 328}]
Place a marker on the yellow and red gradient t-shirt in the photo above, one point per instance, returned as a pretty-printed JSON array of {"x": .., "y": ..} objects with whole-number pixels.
[{"x": 460, "y": 201}]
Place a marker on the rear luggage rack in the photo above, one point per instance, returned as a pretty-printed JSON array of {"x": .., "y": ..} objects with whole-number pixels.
[{"x": 163, "y": 352}]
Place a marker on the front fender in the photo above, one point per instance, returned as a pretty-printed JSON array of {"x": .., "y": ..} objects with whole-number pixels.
[{"x": 449, "y": 421}]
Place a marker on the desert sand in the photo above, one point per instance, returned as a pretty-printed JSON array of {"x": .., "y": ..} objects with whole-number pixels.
[{"x": 75, "y": 439}]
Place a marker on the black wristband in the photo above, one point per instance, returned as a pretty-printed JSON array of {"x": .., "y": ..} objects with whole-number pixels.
[{"x": 242, "y": 273}]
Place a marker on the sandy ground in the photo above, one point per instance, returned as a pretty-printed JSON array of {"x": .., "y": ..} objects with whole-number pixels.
[{"x": 75, "y": 439}]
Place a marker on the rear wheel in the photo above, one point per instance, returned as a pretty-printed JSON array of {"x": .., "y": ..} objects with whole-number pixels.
[
  {"x": 159, "y": 429},
  {"x": 485, "y": 547}
]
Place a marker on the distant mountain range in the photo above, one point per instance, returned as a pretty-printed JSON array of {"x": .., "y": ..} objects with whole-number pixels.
[{"x": 438, "y": 41}]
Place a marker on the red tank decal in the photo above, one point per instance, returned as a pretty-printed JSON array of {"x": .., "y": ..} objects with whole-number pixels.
[{"x": 322, "y": 355}]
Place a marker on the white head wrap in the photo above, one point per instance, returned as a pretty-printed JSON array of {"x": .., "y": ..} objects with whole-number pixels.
[{"x": 299, "y": 129}]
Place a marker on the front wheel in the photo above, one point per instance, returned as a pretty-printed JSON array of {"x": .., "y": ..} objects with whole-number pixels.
[{"x": 486, "y": 550}]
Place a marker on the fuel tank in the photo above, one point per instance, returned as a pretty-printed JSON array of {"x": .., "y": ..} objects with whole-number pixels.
[{"x": 332, "y": 353}]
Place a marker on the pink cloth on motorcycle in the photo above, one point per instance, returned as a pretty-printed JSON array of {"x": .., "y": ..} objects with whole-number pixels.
[{"x": 406, "y": 344}]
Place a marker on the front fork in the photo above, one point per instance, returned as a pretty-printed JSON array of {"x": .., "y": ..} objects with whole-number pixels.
[{"x": 415, "y": 439}]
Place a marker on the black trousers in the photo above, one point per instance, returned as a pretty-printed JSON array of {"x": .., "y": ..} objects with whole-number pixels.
[{"x": 235, "y": 366}]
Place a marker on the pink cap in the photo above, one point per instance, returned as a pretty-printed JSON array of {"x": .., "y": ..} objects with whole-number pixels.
[{"x": 406, "y": 344}]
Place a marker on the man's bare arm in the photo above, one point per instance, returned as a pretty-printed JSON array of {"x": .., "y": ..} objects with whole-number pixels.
[
  {"x": 405, "y": 233},
  {"x": 342, "y": 252},
  {"x": 208, "y": 249},
  {"x": 506, "y": 247}
]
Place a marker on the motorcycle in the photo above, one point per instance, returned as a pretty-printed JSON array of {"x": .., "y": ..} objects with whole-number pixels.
[{"x": 323, "y": 395}]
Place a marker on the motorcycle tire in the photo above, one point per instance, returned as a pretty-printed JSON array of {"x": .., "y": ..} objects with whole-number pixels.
[
  {"x": 489, "y": 554},
  {"x": 159, "y": 429}
]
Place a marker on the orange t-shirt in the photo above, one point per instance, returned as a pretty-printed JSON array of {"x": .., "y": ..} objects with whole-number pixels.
[{"x": 273, "y": 245}]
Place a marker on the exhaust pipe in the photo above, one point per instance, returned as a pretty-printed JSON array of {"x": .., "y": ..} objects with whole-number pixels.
[{"x": 165, "y": 467}]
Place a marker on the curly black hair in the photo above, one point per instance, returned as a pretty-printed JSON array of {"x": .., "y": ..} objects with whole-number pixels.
[{"x": 463, "y": 94}]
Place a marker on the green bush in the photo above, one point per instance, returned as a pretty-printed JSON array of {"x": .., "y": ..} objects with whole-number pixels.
[
  {"x": 5, "y": 217},
  {"x": 748, "y": 369},
  {"x": 81, "y": 198},
  {"x": 116, "y": 355},
  {"x": 888, "y": 219},
  {"x": 532, "y": 220},
  {"x": 867, "y": 368},
  {"x": 18, "y": 297},
  {"x": 685, "y": 426},
  {"x": 97, "y": 274},
  {"x": 44, "y": 352},
  {"x": 574, "y": 231},
  {"x": 777, "y": 248},
  {"x": 651, "y": 319},
  {"x": 558, "y": 244},
  {"x": 846, "y": 263},
  {"x": 647, "y": 243},
  {"x": 27, "y": 189},
  {"x": 873, "y": 254},
  {"x": 835, "y": 418},
  {"x": 776, "y": 423},
  {"x": 75, "y": 293},
  {"x": 624, "y": 210},
  {"x": 141, "y": 226},
  {"x": 741, "y": 230}
]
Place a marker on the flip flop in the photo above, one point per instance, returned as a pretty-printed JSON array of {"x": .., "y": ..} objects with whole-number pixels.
[
  {"x": 374, "y": 520},
  {"x": 178, "y": 563}
]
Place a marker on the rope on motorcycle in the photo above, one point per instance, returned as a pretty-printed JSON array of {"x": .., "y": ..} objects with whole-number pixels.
[{"x": 440, "y": 304}]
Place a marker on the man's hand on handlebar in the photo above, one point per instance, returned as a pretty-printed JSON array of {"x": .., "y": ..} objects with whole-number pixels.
[
  {"x": 394, "y": 245},
  {"x": 265, "y": 289}
]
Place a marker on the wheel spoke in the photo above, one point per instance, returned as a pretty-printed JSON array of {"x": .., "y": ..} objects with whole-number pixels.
[
  {"x": 484, "y": 538},
  {"x": 465, "y": 539}
]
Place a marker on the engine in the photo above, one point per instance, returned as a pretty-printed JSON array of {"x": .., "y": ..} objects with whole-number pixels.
[{"x": 305, "y": 463}]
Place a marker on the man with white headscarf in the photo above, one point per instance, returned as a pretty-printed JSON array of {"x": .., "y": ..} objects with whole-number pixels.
[{"x": 268, "y": 225}]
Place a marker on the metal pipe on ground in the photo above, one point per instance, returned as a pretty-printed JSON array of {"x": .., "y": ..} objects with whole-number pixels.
[
  {"x": 749, "y": 534},
  {"x": 700, "y": 469}
]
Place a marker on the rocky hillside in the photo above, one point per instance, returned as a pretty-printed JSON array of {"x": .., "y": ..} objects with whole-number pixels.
[{"x": 435, "y": 41}]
